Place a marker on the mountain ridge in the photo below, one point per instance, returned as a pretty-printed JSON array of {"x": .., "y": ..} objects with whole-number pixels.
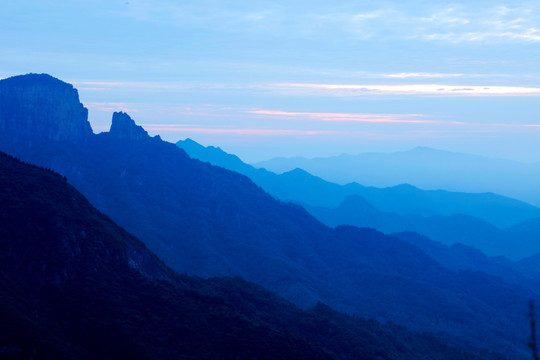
[
  {"x": 425, "y": 168},
  {"x": 403, "y": 207},
  {"x": 333, "y": 194}
]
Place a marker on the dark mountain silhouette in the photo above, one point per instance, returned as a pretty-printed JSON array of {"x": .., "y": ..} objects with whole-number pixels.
[
  {"x": 76, "y": 286},
  {"x": 515, "y": 243},
  {"x": 73, "y": 285},
  {"x": 209, "y": 221},
  {"x": 423, "y": 167},
  {"x": 299, "y": 186}
]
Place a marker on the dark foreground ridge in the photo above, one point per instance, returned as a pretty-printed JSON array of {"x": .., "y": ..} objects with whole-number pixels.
[{"x": 73, "y": 285}]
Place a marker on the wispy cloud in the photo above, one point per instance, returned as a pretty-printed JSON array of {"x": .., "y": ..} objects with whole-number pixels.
[
  {"x": 148, "y": 85},
  {"x": 421, "y": 75},
  {"x": 455, "y": 23},
  {"x": 112, "y": 106},
  {"x": 496, "y": 24},
  {"x": 531, "y": 34},
  {"x": 510, "y": 125},
  {"x": 235, "y": 131},
  {"x": 368, "y": 118},
  {"x": 409, "y": 89},
  {"x": 452, "y": 22}
]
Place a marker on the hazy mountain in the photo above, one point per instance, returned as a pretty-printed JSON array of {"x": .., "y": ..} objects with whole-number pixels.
[
  {"x": 515, "y": 243},
  {"x": 301, "y": 187},
  {"x": 462, "y": 257},
  {"x": 423, "y": 167},
  {"x": 76, "y": 286},
  {"x": 449, "y": 217},
  {"x": 206, "y": 220}
]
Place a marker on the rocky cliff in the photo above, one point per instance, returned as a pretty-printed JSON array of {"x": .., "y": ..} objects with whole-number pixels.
[{"x": 42, "y": 108}]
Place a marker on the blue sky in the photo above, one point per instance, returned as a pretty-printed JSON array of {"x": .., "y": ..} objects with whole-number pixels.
[{"x": 295, "y": 78}]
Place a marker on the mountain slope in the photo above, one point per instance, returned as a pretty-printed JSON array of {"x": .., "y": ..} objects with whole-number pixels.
[
  {"x": 73, "y": 285},
  {"x": 209, "y": 221}
]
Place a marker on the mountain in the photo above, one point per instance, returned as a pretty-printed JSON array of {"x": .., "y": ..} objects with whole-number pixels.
[
  {"x": 462, "y": 257},
  {"x": 423, "y": 167},
  {"x": 209, "y": 221},
  {"x": 444, "y": 216},
  {"x": 76, "y": 286},
  {"x": 515, "y": 243},
  {"x": 299, "y": 186},
  {"x": 73, "y": 285}
]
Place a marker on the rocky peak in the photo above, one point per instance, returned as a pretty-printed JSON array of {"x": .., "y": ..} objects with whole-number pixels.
[
  {"x": 124, "y": 127},
  {"x": 39, "y": 107}
]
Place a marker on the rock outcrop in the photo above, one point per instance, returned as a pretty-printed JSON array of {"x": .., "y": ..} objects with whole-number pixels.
[
  {"x": 42, "y": 108},
  {"x": 123, "y": 127}
]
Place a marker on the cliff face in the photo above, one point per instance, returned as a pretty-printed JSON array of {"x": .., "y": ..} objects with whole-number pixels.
[{"x": 42, "y": 108}]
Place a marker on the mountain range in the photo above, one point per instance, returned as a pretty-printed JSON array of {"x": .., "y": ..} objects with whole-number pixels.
[
  {"x": 426, "y": 168},
  {"x": 495, "y": 224},
  {"x": 517, "y": 242},
  {"x": 209, "y": 221},
  {"x": 74, "y": 285}
]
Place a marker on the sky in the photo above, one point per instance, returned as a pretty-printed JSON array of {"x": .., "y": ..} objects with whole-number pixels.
[{"x": 295, "y": 78}]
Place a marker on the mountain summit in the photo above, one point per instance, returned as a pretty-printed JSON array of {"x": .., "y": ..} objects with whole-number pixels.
[
  {"x": 39, "y": 107},
  {"x": 124, "y": 127}
]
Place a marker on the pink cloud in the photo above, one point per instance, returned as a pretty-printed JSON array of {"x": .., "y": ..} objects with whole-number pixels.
[
  {"x": 235, "y": 131},
  {"x": 187, "y": 129},
  {"x": 515, "y": 125},
  {"x": 111, "y": 106},
  {"x": 369, "y": 118}
]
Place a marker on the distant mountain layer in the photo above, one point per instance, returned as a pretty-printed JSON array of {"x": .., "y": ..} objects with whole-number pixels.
[
  {"x": 426, "y": 168},
  {"x": 300, "y": 186},
  {"x": 444, "y": 216},
  {"x": 515, "y": 243},
  {"x": 209, "y": 221},
  {"x": 461, "y": 257},
  {"x": 73, "y": 285}
]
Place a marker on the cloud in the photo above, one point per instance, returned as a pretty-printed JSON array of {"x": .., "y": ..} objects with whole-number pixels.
[
  {"x": 456, "y": 23},
  {"x": 408, "y": 89},
  {"x": 421, "y": 75},
  {"x": 531, "y": 35},
  {"x": 510, "y": 125},
  {"x": 111, "y": 106},
  {"x": 343, "y": 117},
  {"x": 235, "y": 131}
]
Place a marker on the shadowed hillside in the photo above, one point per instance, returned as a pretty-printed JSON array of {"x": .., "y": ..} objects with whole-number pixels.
[{"x": 73, "y": 285}]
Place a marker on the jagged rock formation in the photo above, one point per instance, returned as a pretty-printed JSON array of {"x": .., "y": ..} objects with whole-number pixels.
[
  {"x": 123, "y": 127},
  {"x": 39, "y": 107}
]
